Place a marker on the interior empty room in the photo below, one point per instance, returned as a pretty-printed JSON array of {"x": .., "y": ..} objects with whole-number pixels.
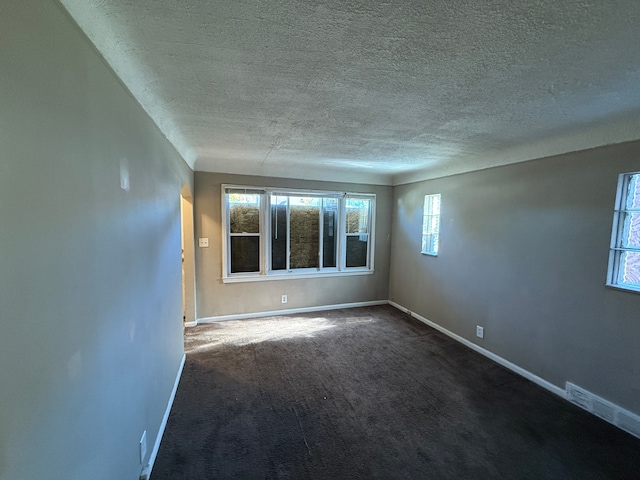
[{"x": 355, "y": 239}]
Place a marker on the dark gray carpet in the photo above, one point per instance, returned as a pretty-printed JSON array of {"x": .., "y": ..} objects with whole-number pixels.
[{"x": 371, "y": 393}]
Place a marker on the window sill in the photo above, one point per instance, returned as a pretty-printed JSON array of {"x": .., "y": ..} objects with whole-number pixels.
[
  {"x": 623, "y": 288},
  {"x": 429, "y": 254},
  {"x": 292, "y": 276}
]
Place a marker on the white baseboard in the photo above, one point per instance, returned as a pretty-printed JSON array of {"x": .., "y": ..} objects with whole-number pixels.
[
  {"x": 496, "y": 358},
  {"x": 154, "y": 453},
  {"x": 242, "y": 316},
  {"x": 608, "y": 411}
]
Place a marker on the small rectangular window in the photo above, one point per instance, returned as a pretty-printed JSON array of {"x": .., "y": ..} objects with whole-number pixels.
[
  {"x": 329, "y": 232},
  {"x": 431, "y": 224},
  {"x": 244, "y": 231},
  {"x": 279, "y": 232},
  {"x": 358, "y": 211},
  {"x": 304, "y": 228},
  {"x": 624, "y": 256}
]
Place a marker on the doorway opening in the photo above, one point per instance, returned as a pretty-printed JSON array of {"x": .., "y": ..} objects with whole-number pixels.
[{"x": 188, "y": 257}]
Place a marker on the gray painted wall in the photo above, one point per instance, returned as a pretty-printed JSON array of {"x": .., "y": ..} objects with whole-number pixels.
[
  {"x": 91, "y": 331},
  {"x": 215, "y": 298},
  {"x": 523, "y": 252}
]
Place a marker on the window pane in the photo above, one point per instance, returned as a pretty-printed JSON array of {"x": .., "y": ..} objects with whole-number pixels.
[
  {"x": 305, "y": 201},
  {"x": 358, "y": 215},
  {"x": 244, "y": 213},
  {"x": 278, "y": 233},
  {"x": 435, "y": 204},
  {"x": 434, "y": 224},
  {"x": 245, "y": 254},
  {"x": 330, "y": 233},
  {"x": 304, "y": 224},
  {"x": 630, "y": 237},
  {"x": 431, "y": 224},
  {"x": 431, "y": 204},
  {"x": 357, "y": 250},
  {"x": 629, "y": 270},
  {"x": 430, "y": 244},
  {"x": 633, "y": 192}
]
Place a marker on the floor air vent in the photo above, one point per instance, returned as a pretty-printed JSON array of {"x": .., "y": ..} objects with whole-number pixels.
[
  {"x": 604, "y": 409},
  {"x": 578, "y": 396}
]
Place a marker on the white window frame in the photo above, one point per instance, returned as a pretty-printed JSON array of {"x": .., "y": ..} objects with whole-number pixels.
[
  {"x": 226, "y": 237},
  {"x": 343, "y": 233},
  {"x": 617, "y": 249},
  {"x": 428, "y": 216},
  {"x": 266, "y": 272}
]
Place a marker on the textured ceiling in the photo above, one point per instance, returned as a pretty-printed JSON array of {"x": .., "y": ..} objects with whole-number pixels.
[{"x": 374, "y": 91}]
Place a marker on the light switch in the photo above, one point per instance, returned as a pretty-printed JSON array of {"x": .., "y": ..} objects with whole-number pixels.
[{"x": 203, "y": 242}]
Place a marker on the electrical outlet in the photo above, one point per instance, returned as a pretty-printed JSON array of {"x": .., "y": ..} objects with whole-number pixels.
[
  {"x": 284, "y": 299},
  {"x": 203, "y": 242},
  {"x": 479, "y": 331}
]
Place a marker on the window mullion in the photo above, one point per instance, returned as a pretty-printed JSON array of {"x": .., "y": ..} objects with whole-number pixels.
[
  {"x": 288, "y": 211},
  {"x": 617, "y": 230},
  {"x": 342, "y": 227},
  {"x": 264, "y": 234},
  {"x": 227, "y": 237},
  {"x": 321, "y": 235},
  {"x": 268, "y": 234}
]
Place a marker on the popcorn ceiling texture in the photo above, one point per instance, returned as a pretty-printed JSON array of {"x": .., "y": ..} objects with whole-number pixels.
[{"x": 371, "y": 91}]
